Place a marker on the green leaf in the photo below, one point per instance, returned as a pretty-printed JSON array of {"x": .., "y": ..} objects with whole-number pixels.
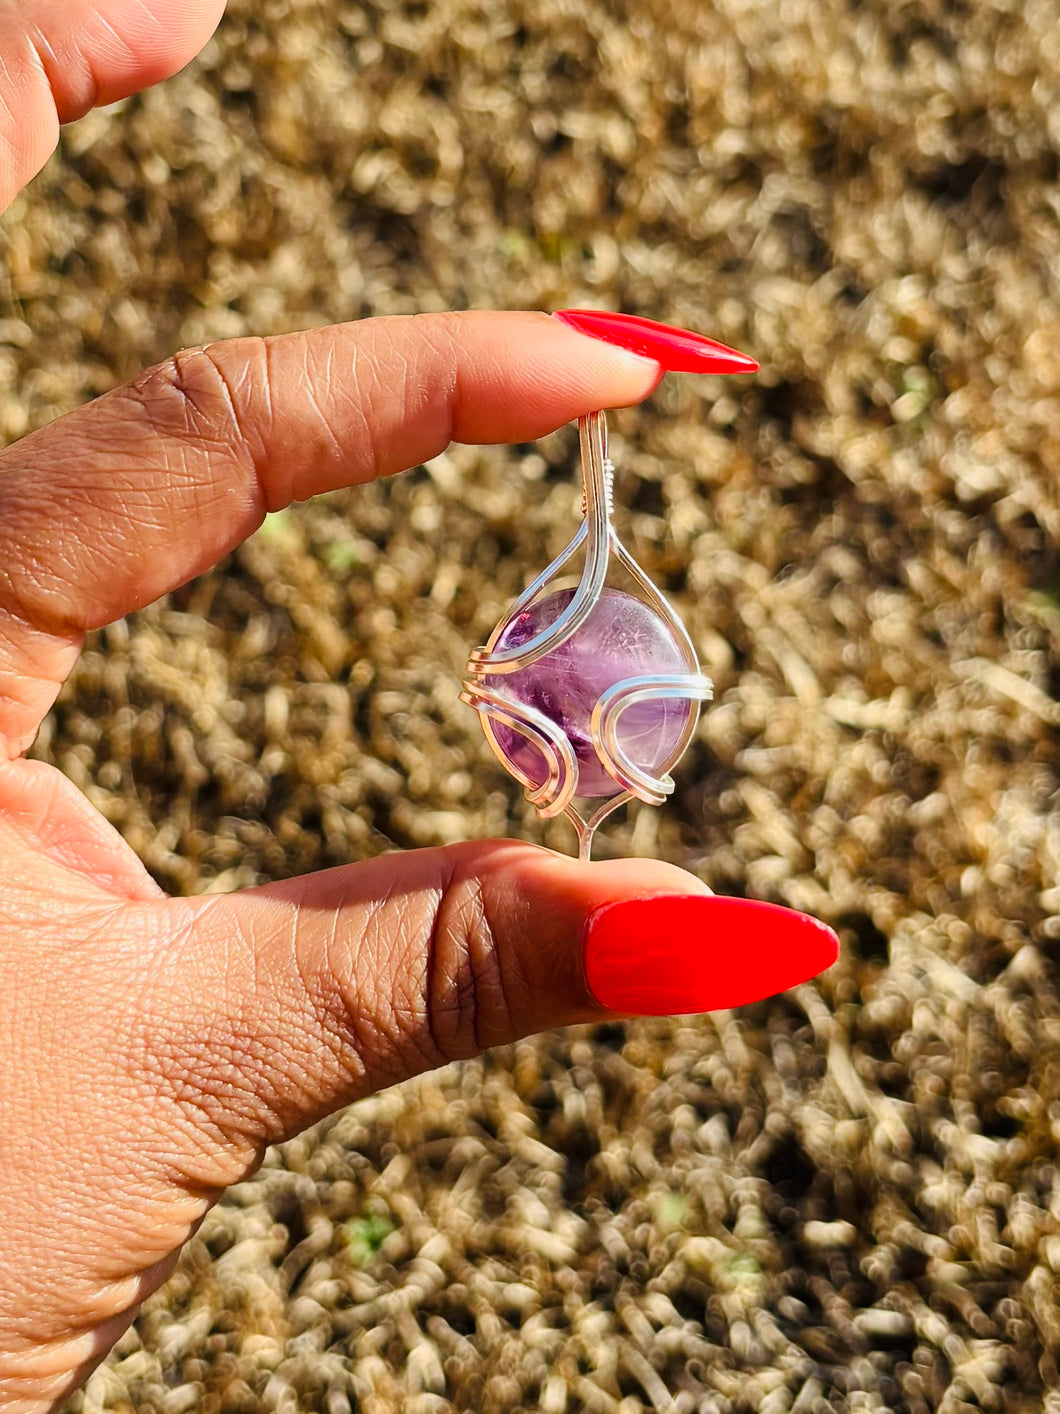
[{"x": 365, "y": 1235}]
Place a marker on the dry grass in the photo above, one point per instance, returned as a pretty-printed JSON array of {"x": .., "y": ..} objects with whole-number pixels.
[{"x": 847, "y": 1198}]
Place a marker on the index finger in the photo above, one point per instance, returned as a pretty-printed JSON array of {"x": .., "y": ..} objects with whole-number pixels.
[{"x": 135, "y": 493}]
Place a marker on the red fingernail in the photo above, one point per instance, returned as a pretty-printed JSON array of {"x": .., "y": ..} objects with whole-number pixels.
[
  {"x": 667, "y": 955},
  {"x": 677, "y": 350}
]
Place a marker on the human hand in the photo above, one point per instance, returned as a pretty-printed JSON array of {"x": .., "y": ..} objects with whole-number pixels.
[{"x": 152, "y": 1046}]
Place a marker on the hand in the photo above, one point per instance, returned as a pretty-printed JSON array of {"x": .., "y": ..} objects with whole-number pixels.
[{"x": 152, "y": 1047}]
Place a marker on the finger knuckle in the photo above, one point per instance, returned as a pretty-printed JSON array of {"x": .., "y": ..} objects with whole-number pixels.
[
  {"x": 193, "y": 396},
  {"x": 467, "y": 1001}
]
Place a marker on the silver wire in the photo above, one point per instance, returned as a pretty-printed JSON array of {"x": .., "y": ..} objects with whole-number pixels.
[{"x": 556, "y": 793}]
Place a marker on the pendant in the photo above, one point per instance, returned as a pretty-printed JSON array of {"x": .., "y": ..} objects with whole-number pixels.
[{"x": 589, "y": 693}]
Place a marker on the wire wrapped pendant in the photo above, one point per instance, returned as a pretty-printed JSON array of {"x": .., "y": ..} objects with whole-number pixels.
[{"x": 589, "y": 693}]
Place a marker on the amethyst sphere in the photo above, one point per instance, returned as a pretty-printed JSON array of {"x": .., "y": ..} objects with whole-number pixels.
[{"x": 622, "y": 638}]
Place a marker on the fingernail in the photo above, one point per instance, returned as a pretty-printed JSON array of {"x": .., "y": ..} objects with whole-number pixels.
[
  {"x": 677, "y": 350},
  {"x": 671, "y": 954}
]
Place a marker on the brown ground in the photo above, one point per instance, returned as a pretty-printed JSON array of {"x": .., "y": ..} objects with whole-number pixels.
[{"x": 847, "y": 1198}]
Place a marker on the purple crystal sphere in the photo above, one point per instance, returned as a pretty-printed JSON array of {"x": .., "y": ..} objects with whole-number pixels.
[{"x": 621, "y": 638}]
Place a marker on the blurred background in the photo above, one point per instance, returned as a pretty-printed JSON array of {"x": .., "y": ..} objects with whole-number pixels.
[{"x": 846, "y": 1198}]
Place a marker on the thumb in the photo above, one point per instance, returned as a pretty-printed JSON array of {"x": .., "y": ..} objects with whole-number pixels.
[{"x": 282, "y": 1003}]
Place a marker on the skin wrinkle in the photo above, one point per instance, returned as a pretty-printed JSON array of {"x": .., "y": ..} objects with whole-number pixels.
[
  {"x": 446, "y": 376},
  {"x": 24, "y": 690},
  {"x": 13, "y": 742},
  {"x": 90, "y": 1213},
  {"x": 23, "y": 1389},
  {"x": 98, "y": 61},
  {"x": 108, "y": 552},
  {"x": 48, "y": 847},
  {"x": 301, "y": 1059},
  {"x": 334, "y": 1034},
  {"x": 433, "y": 962},
  {"x": 198, "y": 400},
  {"x": 328, "y": 373},
  {"x": 378, "y": 1035},
  {"x": 242, "y": 1066},
  {"x": 485, "y": 962},
  {"x": 61, "y": 1364},
  {"x": 352, "y": 994},
  {"x": 25, "y": 124},
  {"x": 461, "y": 971},
  {"x": 149, "y": 15},
  {"x": 489, "y": 970},
  {"x": 314, "y": 402},
  {"x": 361, "y": 388},
  {"x": 52, "y": 611},
  {"x": 121, "y": 42},
  {"x": 87, "y": 84},
  {"x": 230, "y": 396},
  {"x": 408, "y": 1003},
  {"x": 266, "y": 391},
  {"x": 38, "y": 47},
  {"x": 201, "y": 429},
  {"x": 259, "y": 375},
  {"x": 229, "y": 1046},
  {"x": 225, "y": 1126},
  {"x": 433, "y": 965},
  {"x": 402, "y": 380},
  {"x": 31, "y": 568},
  {"x": 189, "y": 1153}
]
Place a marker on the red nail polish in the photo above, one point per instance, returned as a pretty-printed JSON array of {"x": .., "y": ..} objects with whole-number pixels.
[
  {"x": 668, "y": 955},
  {"x": 677, "y": 350}
]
